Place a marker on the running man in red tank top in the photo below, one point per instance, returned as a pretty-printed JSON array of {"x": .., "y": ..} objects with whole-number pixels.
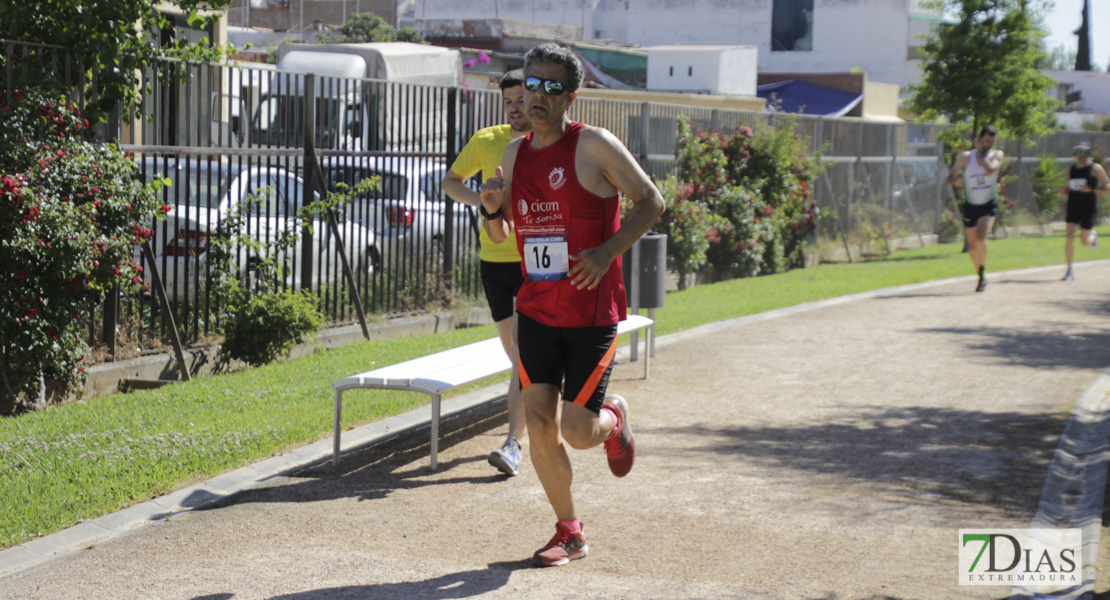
[{"x": 558, "y": 190}]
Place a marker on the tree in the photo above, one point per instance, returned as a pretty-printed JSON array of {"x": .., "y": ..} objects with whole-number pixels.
[
  {"x": 981, "y": 69},
  {"x": 1083, "y": 55},
  {"x": 368, "y": 27},
  {"x": 113, "y": 38}
]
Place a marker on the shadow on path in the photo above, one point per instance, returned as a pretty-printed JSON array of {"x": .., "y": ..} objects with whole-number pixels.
[
  {"x": 1044, "y": 346},
  {"x": 466, "y": 584},
  {"x": 375, "y": 471},
  {"x": 964, "y": 456}
]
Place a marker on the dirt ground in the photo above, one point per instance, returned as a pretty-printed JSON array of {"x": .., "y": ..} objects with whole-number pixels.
[{"x": 825, "y": 454}]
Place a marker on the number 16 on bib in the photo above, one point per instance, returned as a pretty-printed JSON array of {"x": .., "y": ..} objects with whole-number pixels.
[{"x": 546, "y": 257}]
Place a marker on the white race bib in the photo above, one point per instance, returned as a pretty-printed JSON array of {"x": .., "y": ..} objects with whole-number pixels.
[
  {"x": 546, "y": 257},
  {"x": 1077, "y": 184}
]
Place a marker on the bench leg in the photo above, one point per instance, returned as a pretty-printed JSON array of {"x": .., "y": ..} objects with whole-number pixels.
[
  {"x": 435, "y": 429},
  {"x": 649, "y": 341},
  {"x": 338, "y": 425}
]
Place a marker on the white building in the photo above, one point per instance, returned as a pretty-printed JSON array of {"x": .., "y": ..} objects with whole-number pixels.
[
  {"x": 1085, "y": 96},
  {"x": 718, "y": 70},
  {"x": 880, "y": 37}
]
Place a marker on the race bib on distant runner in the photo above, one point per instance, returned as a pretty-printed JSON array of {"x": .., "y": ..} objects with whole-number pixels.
[
  {"x": 1077, "y": 184},
  {"x": 546, "y": 257}
]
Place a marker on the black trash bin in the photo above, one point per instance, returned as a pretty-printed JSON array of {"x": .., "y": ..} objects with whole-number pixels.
[
  {"x": 645, "y": 264},
  {"x": 644, "y": 267}
]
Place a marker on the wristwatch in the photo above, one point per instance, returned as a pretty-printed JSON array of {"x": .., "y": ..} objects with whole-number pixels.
[{"x": 488, "y": 215}]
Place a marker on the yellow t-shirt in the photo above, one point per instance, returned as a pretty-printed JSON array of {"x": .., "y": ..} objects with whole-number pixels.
[{"x": 483, "y": 153}]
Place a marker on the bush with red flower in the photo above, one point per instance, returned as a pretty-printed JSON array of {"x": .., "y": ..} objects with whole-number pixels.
[
  {"x": 759, "y": 182},
  {"x": 688, "y": 225},
  {"x": 772, "y": 161},
  {"x": 71, "y": 214}
]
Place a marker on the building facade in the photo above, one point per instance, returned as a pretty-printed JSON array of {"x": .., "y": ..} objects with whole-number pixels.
[
  {"x": 881, "y": 37},
  {"x": 718, "y": 70}
]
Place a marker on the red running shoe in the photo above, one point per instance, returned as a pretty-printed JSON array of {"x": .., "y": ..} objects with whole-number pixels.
[
  {"x": 620, "y": 446},
  {"x": 567, "y": 545}
]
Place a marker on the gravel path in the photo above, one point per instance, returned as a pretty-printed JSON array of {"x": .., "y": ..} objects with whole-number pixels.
[{"x": 823, "y": 454}]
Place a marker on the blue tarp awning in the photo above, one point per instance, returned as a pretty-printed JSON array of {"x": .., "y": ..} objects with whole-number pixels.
[{"x": 811, "y": 99}]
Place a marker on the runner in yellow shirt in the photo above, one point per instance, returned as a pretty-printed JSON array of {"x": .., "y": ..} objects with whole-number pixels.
[{"x": 500, "y": 263}]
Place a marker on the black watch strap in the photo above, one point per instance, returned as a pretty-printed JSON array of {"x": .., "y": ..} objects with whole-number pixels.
[{"x": 488, "y": 215}]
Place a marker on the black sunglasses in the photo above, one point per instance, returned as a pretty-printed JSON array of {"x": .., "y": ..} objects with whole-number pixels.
[{"x": 553, "y": 87}]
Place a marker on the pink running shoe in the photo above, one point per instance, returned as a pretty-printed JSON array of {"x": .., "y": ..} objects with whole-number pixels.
[
  {"x": 620, "y": 446},
  {"x": 567, "y": 545}
]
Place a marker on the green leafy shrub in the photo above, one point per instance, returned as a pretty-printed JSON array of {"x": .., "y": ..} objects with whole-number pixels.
[
  {"x": 262, "y": 328},
  {"x": 1048, "y": 180},
  {"x": 1006, "y": 212},
  {"x": 263, "y": 323},
  {"x": 71, "y": 215},
  {"x": 260, "y": 321},
  {"x": 950, "y": 227}
]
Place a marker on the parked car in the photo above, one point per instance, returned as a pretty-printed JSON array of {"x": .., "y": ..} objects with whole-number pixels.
[
  {"x": 407, "y": 210},
  {"x": 201, "y": 195}
]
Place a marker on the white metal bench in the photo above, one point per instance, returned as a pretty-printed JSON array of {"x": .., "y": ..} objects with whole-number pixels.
[{"x": 441, "y": 372}]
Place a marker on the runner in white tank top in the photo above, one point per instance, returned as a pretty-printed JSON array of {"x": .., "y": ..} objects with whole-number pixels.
[
  {"x": 981, "y": 166},
  {"x": 979, "y": 185}
]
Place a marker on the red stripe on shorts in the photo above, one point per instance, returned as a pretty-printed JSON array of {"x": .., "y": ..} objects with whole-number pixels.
[
  {"x": 591, "y": 383},
  {"x": 525, "y": 380}
]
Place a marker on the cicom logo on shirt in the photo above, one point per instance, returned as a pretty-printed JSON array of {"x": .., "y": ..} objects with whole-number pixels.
[
  {"x": 522, "y": 207},
  {"x": 557, "y": 179}
]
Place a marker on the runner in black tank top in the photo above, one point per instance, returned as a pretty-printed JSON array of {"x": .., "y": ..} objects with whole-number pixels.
[{"x": 1085, "y": 179}]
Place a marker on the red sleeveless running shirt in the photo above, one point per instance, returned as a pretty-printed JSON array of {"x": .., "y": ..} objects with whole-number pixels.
[{"x": 554, "y": 218}]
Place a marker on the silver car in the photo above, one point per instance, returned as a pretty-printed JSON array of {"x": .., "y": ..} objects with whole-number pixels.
[
  {"x": 201, "y": 196},
  {"x": 408, "y": 209}
]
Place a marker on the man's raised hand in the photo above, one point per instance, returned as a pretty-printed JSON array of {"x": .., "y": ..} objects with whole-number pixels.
[{"x": 494, "y": 191}]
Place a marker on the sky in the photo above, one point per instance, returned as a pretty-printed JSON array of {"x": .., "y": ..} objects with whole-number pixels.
[{"x": 1065, "y": 18}]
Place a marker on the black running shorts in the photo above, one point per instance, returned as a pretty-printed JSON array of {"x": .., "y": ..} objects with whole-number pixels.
[
  {"x": 1082, "y": 211},
  {"x": 502, "y": 280},
  {"x": 974, "y": 212},
  {"x": 577, "y": 360}
]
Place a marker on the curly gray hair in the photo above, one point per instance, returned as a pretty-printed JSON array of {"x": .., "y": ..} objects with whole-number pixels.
[{"x": 552, "y": 53}]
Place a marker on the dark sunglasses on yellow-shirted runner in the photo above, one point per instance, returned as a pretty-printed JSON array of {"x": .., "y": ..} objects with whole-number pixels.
[{"x": 552, "y": 87}]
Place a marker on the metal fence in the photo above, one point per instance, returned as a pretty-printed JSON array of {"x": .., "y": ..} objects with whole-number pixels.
[{"x": 223, "y": 133}]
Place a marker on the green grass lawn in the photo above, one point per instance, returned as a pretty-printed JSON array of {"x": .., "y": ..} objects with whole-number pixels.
[{"x": 72, "y": 463}]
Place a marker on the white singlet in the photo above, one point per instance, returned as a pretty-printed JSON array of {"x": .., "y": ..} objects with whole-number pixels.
[{"x": 978, "y": 186}]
